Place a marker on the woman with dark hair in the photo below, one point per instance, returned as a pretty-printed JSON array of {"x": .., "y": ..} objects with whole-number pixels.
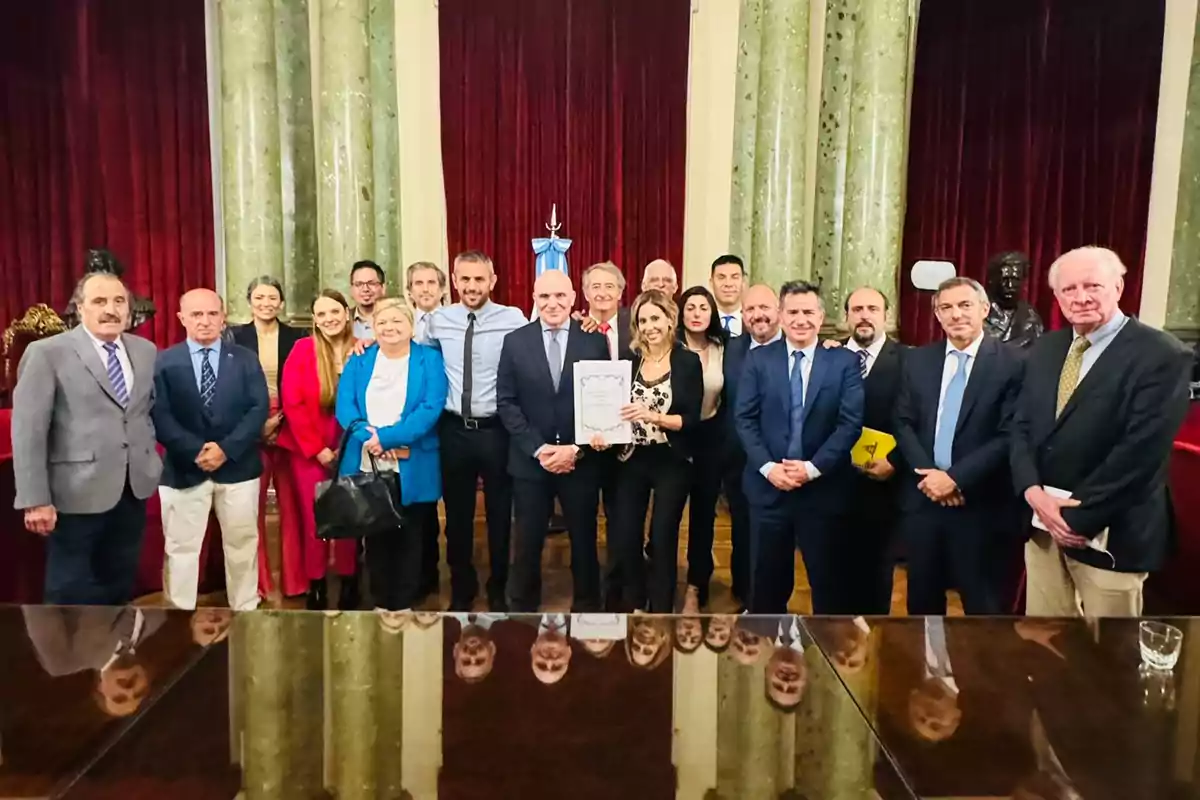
[
  {"x": 703, "y": 334},
  {"x": 310, "y": 389},
  {"x": 273, "y": 339}
]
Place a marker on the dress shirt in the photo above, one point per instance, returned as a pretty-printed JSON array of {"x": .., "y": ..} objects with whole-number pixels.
[
  {"x": 553, "y": 623},
  {"x": 387, "y": 392},
  {"x": 872, "y": 349},
  {"x": 806, "y": 371},
  {"x": 735, "y": 321},
  {"x": 214, "y": 358},
  {"x": 1100, "y": 338},
  {"x": 564, "y": 333},
  {"x": 484, "y": 621},
  {"x": 937, "y": 655},
  {"x": 122, "y": 358},
  {"x": 421, "y": 325},
  {"x": 948, "y": 368},
  {"x": 755, "y": 344},
  {"x": 447, "y": 330},
  {"x": 362, "y": 326},
  {"x": 789, "y": 634},
  {"x": 613, "y": 335},
  {"x": 127, "y": 644}
]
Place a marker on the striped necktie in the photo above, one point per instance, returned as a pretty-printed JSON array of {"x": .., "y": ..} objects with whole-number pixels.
[
  {"x": 116, "y": 375},
  {"x": 208, "y": 377},
  {"x": 863, "y": 355}
]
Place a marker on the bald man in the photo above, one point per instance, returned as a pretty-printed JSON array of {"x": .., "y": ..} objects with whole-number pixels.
[
  {"x": 660, "y": 276},
  {"x": 211, "y": 403}
]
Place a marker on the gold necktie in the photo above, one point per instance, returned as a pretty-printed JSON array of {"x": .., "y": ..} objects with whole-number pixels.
[{"x": 1068, "y": 379}]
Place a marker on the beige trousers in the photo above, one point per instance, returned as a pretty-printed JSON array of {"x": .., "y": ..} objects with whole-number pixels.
[
  {"x": 185, "y": 521},
  {"x": 1057, "y": 586}
]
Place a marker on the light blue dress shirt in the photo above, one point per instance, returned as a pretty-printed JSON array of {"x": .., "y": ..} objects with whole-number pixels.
[
  {"x": 214, "y": 358},
  {"x": 1100, "y": 338},
  {"x": 447, "y": 330}
]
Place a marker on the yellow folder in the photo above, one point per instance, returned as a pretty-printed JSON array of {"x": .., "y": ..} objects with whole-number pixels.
[{"x": 872, "y": 445}]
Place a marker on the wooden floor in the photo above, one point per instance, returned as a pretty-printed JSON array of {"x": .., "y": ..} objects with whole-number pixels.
[{"x": 556, "y": 574}]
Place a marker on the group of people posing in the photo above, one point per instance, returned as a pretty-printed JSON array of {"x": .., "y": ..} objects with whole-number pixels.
[{"x": 1059, "y": 442}]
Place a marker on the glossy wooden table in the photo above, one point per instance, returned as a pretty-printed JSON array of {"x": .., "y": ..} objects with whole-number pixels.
[{"x": 303, "y": 705}]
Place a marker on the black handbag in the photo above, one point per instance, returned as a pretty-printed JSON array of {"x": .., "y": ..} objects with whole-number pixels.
[{"x": 360, "y": 504}]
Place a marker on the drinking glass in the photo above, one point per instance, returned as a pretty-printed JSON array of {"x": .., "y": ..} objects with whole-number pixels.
[{"x": 1160, "y": 644}]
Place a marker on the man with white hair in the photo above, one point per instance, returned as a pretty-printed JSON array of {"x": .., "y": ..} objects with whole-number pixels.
[
  {"x": 660, "y": 275},
  {"x": 1092, "y": 434},
  {"x": 953, "y": 415}
]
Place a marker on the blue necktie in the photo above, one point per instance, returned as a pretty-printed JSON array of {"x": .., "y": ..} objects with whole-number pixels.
[
  {"x": 796, "y": 443},
  {"x": 208, "y": 378},
  {"x": 116, "y": 376},
  {"x": 727, "y": 319},
  {"x": 943, "y": 442}
]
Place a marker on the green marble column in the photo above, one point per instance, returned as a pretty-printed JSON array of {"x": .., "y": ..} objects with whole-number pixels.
[
  {"x": 353, "y": 645},
  {"x": 874, "y": 194},
  {"x": 252, "y": 207},
  {"x": 389, "y": 710},
  {"x": 753, "y": 737},
  {"x": 1183, "y": 299},
  {"x": 297, "y": 155},
  {"x": 305, "y": 636},
  {"x": 262, "y": 639},
  {"x": 385, "y": 140},
  {"x": 345, "y": 167},
  {"x": 767, "y": 208}
]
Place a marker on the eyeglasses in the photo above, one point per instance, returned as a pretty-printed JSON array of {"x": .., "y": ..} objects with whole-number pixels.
[{"x": 366, "y": 284}]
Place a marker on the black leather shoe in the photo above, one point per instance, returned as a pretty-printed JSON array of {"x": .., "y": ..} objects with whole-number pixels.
[
  {"x": 318, "y": 597},
  {"x": 497, "y": 605}
]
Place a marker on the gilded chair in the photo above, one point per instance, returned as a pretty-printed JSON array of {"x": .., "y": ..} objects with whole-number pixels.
[{"x": 39, "y": 322}]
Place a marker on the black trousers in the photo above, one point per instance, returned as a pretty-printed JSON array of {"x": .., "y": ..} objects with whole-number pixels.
[
  {"x": 425, "y": 518},
  {"x": 606, "y": 468},
  {"x": 952, "y": 548},
  {"x": 868, "y": 535},
  {"x": 657, "y": 469},
  {"x": 534, "y": 500},
  {"x": 469, "y": 454},
  {"x": 92, "y": 559},
  {"x": 777, "y": 530},
  {"x": 717, "y": 464},
  {"x": 394, "y": 561}
]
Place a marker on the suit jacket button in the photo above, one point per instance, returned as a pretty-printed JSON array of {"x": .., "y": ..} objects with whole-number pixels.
[{"x": 124, "y": 445}]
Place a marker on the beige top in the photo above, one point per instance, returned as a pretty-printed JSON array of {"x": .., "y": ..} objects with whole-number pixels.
[
  {"x": 268, "y": 359},
  {"x": 713, "y": 362}
]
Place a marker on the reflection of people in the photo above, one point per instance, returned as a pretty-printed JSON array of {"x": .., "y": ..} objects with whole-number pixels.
[
  {"x": 210, "y": 406},
  {"x": 550, "y": 655},
  {"x": 786, "y": 673},
  {"x": 933, "y": 705},
  {"x": 1050, "y": 781},
  {"x": 689, "y": 633},
  {"x": 104, "y": 640},
  {"x": 799, "y": 413},
  {"x": 648, "y": 643},
  {"x": 475, "y": 652},
  {"x": 84, "y": 458},
  {"x": 852, "y": 639},
  {"x": 747, "y": 646},
  {"x": 210, "y": 625},
  {"x": 535, "y": 396},
  {"x": 718, "y": 631},
  {"x": 1097, "y": 417},
  {"x": 953, "y": 417},
  {"x": 1010, "y": 319}
]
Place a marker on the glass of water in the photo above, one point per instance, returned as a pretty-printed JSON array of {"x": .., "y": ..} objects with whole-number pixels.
[{"x": 1160, "y": 644}]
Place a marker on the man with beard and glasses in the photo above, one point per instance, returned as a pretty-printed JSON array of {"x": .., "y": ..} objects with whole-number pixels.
[
  {"x": 872, "y": 516},
  {"x": 84, "y": 458},
  {"x": 368, "y": 284},
  {"x": 473, "y": 440}
]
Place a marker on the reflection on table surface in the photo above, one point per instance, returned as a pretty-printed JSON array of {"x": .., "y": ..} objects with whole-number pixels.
[{"x": 133, "y": 703}]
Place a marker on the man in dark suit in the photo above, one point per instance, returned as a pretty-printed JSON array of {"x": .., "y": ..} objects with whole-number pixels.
[
  {"x": 953, "y": 418},
  {"x": 760, "y": 326},
  {"x": 536, "y": 402},
  {"x": 1095, "y": 425},
  {"x": 873, "y": 514},
  {"x": 799, "y": 412},
  {"x": 211, "y": 405}
]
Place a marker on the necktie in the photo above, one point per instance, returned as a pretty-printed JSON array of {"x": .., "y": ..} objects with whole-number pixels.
[
  {"x": 863, "y": 355},
  {"x": 727, "y": 318},
  {"x": 208, "y": 378},
  {"x": 467, "y": 342},
  {"x": 605, "y": 328},
  {"x": 1068, "y": 379},
  {"x": 943, "y": 440},
  {"x": 795, "y": 444},
  {"x": 554, "y": 356},
  {"x": 116, "y": 376}
]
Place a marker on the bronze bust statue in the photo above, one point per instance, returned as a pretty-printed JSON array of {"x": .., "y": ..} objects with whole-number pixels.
[
  {"x": 1010, "y": 319},
  {"x": 101, "y": 261}
]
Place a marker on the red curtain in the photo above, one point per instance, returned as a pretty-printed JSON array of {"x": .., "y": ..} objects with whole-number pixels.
[
  {"x": 104, "y": 143},
  {"x": 1032, "y": 129},
  {"x": 582, "y": 103}
]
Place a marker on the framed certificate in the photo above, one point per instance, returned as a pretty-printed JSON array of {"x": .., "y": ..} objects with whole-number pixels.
[{"x": 601, "y": 388}]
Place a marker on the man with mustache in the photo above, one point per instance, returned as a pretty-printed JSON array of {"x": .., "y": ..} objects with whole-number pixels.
[
  {"x": 473, "y": 440},
  {"x": 84, "y": 459},
  {"x": 211, "y": 403},
  {"x": 872, "y": 516}
]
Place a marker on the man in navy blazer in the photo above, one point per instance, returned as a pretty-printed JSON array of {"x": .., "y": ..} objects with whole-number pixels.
[
  {"x": 953, "y": 421},
  {"x": 799, "y": 412},
  {"x": 536, "y": 402},
  {"x": 760, "y": 327},
  {"x": 211, "y": 405}
]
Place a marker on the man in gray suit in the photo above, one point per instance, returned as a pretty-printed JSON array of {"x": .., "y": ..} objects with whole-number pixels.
[{"x": 84, "y": 453}]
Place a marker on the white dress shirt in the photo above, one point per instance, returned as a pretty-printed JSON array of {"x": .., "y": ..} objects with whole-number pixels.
[
  {"x": 949, "y": 367},
  {"x": 755, "y": 344},
  {"x": 387, "y": 391},
  {"x": 1100, "y": 338},
  {"x": 613, "y": 336},
  {"x": 937, "y": 655},
  {"x": 805, "y": 366},
  {"x": 873, "y": 350},
  {"x": 735, "y": 321},
  {"x": 122, "y": 358}
]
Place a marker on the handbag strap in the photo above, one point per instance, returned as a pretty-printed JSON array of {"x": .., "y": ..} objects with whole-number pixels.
[{"x": 358, "y": 423}]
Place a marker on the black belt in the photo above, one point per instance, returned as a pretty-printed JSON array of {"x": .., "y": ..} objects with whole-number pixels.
[{"x": 474, "y": 423}]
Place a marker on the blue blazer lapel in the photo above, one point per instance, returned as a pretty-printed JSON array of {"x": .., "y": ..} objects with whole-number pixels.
[
  {"x": 980, "y": 374},
  {"x": 816, "y": 379},
  {"x": 781, "y": 368},
  {"x": 416, "y": 379}
]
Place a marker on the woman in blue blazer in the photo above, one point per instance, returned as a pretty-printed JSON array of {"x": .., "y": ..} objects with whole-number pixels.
[{"x": 399, "y": 389}]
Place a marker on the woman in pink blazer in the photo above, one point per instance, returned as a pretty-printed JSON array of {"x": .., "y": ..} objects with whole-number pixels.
[{"x": 310, "y": 383}]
